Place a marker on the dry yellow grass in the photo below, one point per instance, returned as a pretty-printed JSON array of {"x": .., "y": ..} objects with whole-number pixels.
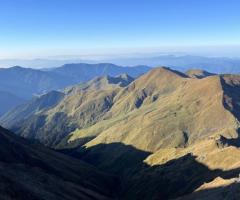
[
  {"x": 206, "y": 152},
  {"x": 191, "y": 110}
]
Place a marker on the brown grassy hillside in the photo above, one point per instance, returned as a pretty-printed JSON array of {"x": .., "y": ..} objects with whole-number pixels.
[
  {"x": 80, "y": 106},
  {"x": 175, "y": 111},
  {"x": 165, "y": 134}
]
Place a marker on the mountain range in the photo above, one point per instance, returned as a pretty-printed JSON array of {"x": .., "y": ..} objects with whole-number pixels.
[
  {"x": 178, "y": 61},
  {"x": 165, "y": 134},
  {"x": 184, "y": 62},
  {"x": 19, "y": 84}
]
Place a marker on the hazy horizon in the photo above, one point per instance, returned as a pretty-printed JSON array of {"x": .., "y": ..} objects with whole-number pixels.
[
  {"x": 123, "y": 56},
  {"x": 91, "y": 29}
]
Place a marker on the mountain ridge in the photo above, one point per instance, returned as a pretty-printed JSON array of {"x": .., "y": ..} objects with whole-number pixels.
[
  {"x": 160, "y": 84},
  {"x": 155, "y": 129},
  {"x": 26, "y": 83},
  {"x": 90, "y": 99}
]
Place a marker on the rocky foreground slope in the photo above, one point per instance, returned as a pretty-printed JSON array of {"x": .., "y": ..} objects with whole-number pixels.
[{"x": 166, "y": 134}]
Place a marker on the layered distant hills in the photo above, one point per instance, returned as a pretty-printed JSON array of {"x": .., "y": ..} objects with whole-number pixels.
[
  {"x": 221, "y": 65},
  {"x": 165, "y": 134},
  {"x": 178, "y": 61},
  {"x": 19, "y": 84}
]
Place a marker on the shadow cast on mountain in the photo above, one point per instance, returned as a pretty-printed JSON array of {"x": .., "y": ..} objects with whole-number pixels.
[
  {"x": 231, "y": 97},
  {"x": 72, "y": 146},
  {"x": 172, "y": 179},
  {"x": 176, "y": 72},
  {"x": 230, "y": 192},
  {"x": 116, "y": 158},
  {"x": 205, "y": 74},
  {"x": 223, "y": 142},
  {"x": 231, "y": 101}
]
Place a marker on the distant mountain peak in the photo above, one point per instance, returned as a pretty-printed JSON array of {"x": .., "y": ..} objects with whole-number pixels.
[
  {"x": 17, "y": 68},
  {"x": 124, "y": 76}
]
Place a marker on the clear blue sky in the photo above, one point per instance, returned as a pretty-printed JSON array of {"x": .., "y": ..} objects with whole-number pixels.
[{"x": 41, "y": 27}]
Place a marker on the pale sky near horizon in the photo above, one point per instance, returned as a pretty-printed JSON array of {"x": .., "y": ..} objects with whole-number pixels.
[{"x": 33, "y": 28}]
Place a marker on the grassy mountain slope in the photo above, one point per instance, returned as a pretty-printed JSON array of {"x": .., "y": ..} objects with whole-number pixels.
[
  {"x": 177, "y": 116},
  {"x": 187, "y": 173},
  {"x": 38, "y": 104},
  {"x": 30, "y": 171},
  {"x": 174, "y": 111},
  {"x": 164, "y": 128},
  {"x": 81, "y": 106},
  {"x": 171, "y": 110}
]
